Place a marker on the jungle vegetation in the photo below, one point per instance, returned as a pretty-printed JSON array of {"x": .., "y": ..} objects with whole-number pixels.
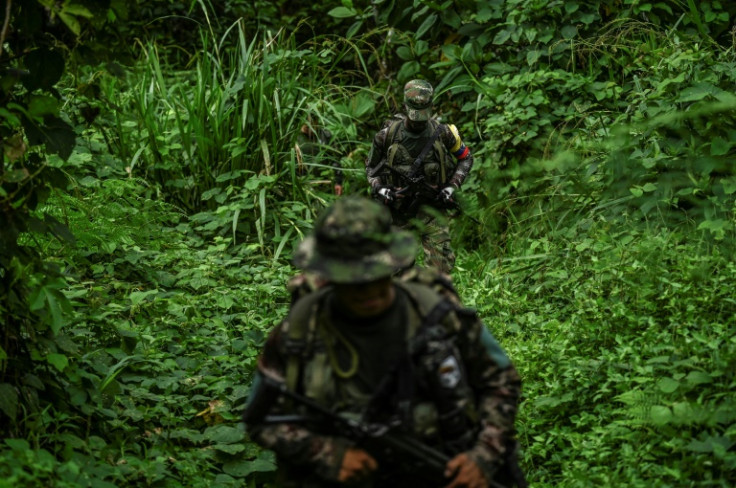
[{"x": 151, "y": 195}]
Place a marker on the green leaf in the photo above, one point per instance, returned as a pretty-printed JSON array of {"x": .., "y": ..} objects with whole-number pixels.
[
  {"x": 698, "y": 378},
  {"x": 729, "y": 185},
  {"x": 660, "y": 414},
  {"x": 229, "y": 448},
  {"x": 697, "y": 92},
  {"x": 224, "y": 434},
  {"x": 40, "y": 105},
  {"x": 18, "y": 444},
  {"x": 48, "y": 297},
  {"x": 59, "y": 361},
  {"x": 58, "y": 135},
  {"x": 426, "y": 25},
  {"x": 569, "y": 31},
  {"x": 354, "y": 29},
  {"x": 78, "y": 10},
  {"x": 532, "y": 56},
  {"x": 710, "y": 444},
  {"x": 668, "y": 385},
  {"x": 409, "y": 70},
  {"x": 10, "y": 117},
  {"x": 8, "y": 400},
  {"x": 719, "y": 146},
  {"x": 15, "y": 176},
  {"x": 342, "y": 12},
  {"x": 715, "y": 225},
  {"x": 502, "y": 36},
  {"x": 649, "y": 187},
  {"x": 137, "y": 297},
  {"x": 71, "y": 22},
  {"x": 404, "y": 53},
  {"x": 242, "y": 468}
]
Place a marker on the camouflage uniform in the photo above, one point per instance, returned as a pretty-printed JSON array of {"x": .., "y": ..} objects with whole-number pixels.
[
  {"x": 445, "y": 166},
  {"x": 315, "y": 346}
]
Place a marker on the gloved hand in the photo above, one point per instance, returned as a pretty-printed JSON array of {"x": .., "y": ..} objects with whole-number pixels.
[
  {"x": 446, "y": 193},
  {"x": 386, "y": 194},
  {"x": 465, "y": 473},
  {"x": 356, "y": 465}
]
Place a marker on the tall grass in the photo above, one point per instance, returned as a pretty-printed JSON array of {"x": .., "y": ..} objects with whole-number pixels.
[
  {"x": 234, "y": 115},
  {"x": 219, "y": 139}
]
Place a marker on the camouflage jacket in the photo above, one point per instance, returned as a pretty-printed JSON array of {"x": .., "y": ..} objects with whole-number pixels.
[
  {"x": 398, "y": 148},
  {"x": 488, "y": 394}
]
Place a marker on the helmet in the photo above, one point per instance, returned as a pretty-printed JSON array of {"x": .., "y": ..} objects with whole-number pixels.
[
  {"x": 353, "y": 242},
  {"x": 418, "y": 100}
]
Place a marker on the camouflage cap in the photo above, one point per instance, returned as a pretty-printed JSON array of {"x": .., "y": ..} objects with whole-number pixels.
[
  {"x": 353, "y": 242},
  {"x": 418, "y": 100}
]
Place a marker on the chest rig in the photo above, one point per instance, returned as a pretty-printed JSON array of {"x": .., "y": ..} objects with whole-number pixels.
[
  {"x": 403, "y": 149},
  {"x": 428, "y": 390}
]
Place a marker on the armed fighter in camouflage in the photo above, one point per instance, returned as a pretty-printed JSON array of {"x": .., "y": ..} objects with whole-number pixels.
[
  {"x": 376, "y": 381},
  {"x": 415, "y": 166}
]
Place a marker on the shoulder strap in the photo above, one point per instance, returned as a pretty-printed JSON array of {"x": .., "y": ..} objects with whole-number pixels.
[
  {"x": 393, "y": 129},
  {"x": 416, "y": 166},
  {"x": 300, "y": 333}
]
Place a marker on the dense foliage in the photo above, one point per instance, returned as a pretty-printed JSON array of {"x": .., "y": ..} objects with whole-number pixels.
[{"x": 153, "y": 186}]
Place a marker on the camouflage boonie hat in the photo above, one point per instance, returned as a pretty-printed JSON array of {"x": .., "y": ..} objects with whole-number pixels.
[
  {"x": 353, "y": 242},
  {"x": 418, "y": 100}
]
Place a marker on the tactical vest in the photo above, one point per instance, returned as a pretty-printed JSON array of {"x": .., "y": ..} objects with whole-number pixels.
[
  {"x": 311, "y": 370},
  {"x": 438, "y": 165}
]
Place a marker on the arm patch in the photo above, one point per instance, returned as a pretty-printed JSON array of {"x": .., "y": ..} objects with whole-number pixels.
[{"x": 459, "y": 150}]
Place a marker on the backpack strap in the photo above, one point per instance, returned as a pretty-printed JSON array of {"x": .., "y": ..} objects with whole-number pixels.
[
  {"x": 302, "y": 322},
  {"x": 416, "y": 166},
  {"x": 393, "y": 129}
]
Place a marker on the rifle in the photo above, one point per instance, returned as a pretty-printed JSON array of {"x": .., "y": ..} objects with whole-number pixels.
[
  {"x": 392, "y": 448},
  {"x": 416, "y": 185}
]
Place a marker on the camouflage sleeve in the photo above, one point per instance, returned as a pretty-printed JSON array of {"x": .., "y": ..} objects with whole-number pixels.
[
  {"x": 497, "y": 387},
  {"x": 293, "y": 443},
  {"x": 376, "y": 155},
  {"x": 452, "y": 141}
]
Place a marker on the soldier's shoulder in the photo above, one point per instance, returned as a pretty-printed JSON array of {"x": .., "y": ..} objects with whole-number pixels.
[
  {"x": 395, "y": 118},
  {"x": 303, "y": 284},
  {"x": 431, "y": 283}
]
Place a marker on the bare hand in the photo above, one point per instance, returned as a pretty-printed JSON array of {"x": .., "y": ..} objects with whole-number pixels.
[
  {"x": 356, "y": 465},
  {"x": 465, "y": 473}
]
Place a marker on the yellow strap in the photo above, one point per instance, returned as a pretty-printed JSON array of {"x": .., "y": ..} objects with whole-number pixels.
[{"x": 329, "y": 334}]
